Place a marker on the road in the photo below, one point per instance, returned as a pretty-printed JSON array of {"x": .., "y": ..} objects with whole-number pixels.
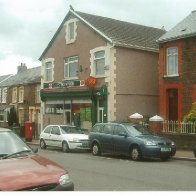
[{"x": 107, "y": 173}]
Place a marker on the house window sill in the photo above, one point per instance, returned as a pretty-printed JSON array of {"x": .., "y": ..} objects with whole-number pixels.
[{"x": 171, "y": 76}]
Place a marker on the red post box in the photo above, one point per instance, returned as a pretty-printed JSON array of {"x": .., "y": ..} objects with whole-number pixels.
[{"x": 29, "y": 131}]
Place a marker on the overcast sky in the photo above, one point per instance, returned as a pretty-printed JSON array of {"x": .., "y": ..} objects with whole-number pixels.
[{"x": 26, "y": 26}]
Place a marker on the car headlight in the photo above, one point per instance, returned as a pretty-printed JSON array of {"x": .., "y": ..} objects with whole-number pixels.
[
  {"x": 64, "y": 179},
  {"x": 173, "y": 143},
  {"x": 149, "y": 143}
]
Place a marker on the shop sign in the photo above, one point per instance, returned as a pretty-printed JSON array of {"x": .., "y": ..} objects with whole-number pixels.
[
  {"x": 102, "y": 92},
  {"x": 91, "y": 81},
  {"x": 65, "y": 84}
]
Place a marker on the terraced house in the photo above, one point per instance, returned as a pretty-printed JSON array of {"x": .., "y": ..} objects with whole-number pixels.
[
  {"x": 177, "y": 76},
  {"x": 22, "y": 92},
  {"x": 98, "y": 69}
]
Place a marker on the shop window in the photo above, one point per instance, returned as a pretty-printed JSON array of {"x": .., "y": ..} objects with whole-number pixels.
[
  {"x": 54, "y": 109},
  {"x": 71, "y": 67},
  {"x": 172, "y": 61},
  {"x": 85, "y": 114}
]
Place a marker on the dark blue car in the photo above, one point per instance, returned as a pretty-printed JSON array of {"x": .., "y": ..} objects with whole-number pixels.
[{"x": 130, "y": 139}]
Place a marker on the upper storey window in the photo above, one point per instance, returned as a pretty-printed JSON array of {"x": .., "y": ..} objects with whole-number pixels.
[
  {"x": 99, "y": 63},
  {"x": 70, "y": 31},
  {"x": 71, "y": 67},
  {"x": 172, "y": 61},
  {"x": 48, "y": 71}
]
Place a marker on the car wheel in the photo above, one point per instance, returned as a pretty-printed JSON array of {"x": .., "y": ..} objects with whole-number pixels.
[
  {"x": 136, "y": 153},
  {"x": 96, "y": 149},
  {"x": 42, "y": 144},
  {"x": 65, "y": 147}
]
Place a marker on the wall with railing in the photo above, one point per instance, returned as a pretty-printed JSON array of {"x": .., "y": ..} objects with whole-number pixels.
[{"x": 179, "y": 127}]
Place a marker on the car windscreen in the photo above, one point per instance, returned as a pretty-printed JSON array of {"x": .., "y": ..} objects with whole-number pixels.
[
  {"x": 10, "y": 143},
  {"x": 70, "y": 130},
  {"x": 137, "y": 130}
]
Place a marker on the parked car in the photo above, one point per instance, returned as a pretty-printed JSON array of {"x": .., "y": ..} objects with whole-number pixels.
[
  {"x": 21, "y": 169},
  {"x": 64, "y": 136},
  {"x": 130, "y": 139}
]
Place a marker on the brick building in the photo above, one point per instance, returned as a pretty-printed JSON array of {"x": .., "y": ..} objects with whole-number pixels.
[
  {"x": 98, "y": 69},
  {"x": 177, "y": 69}
]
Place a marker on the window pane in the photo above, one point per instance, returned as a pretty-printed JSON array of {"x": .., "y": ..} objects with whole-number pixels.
[
  {"x": 48, "y": 71},
  {"x": 71, "y": 30},
  {"x": 99, "y": 66},
  {"x": 73, "y": 69},
  {"x": 172, "y": 61}
]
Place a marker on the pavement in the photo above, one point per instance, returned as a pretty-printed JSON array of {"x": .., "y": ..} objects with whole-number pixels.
[{"x": 180, "y": 154}]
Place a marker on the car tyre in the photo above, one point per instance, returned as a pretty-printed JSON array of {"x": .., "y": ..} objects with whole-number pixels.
[
  {"x": 96, "y": 151},
  {"x": 136, "y": 154},
  {"x": 65, "y": 147},
  {"x": 42, "y": 144}
]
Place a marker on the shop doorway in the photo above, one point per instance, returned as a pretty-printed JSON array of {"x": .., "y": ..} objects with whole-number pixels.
[{"x": 67, "y": 116}]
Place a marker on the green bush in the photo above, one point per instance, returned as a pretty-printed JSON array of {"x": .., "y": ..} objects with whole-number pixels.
[{"x": 191, "y": 116}]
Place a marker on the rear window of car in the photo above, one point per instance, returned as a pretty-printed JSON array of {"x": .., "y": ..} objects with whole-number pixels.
[{"x": 97, "y": 128}]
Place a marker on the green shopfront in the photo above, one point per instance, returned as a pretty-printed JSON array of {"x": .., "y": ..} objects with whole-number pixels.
[{"x": 72, "y": 102}]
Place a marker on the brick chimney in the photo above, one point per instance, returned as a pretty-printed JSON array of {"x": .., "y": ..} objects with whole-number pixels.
[{"x": 21, "y": 68}]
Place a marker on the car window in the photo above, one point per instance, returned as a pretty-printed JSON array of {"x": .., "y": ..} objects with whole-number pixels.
[
  {"x": 108, "y": 129},
  {"x": 70, "y": 130},
  {"x": 136, "y": 130},
  {"x": 55, "y": 130},
  {"x": 119, "y": 130},
  {"x": 48, "y": 129},
  {"x": 96, "y": 128},
  {"x": 11, "y": 143}
]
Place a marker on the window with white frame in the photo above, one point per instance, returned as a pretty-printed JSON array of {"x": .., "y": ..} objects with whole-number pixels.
[
  {"x": 172, "y": 61},
  {"x": 21, "y": 94},
  {"x": 14, "y": 95},
  {"x": 37, "y": 96},
  {"x": 71, "y": 31},
  {"x": 4, "y": 95},
  {"x": 99, "y": 63},
  {"x": 48, "y": 71},
  {"x": 71, "y": 67}
]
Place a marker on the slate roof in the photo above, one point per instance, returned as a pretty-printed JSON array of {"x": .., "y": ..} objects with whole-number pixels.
[
  {"x": 29, "y": 76},
  {"x": 118, "y": 33},
  {"x": 184, "y": 29},
  {"x": 4, "y": 77}
]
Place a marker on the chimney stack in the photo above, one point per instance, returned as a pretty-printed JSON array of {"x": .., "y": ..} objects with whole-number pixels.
[{"x": 21, "y": 68}]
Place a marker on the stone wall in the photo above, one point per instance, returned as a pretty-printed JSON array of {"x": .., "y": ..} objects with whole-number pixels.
[{"x": 182, "y": 141}]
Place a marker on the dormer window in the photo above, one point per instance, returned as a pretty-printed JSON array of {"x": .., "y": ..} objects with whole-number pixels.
[
  {"x": 70, "y": 31},
  {"x": 172, "y": 61}
]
